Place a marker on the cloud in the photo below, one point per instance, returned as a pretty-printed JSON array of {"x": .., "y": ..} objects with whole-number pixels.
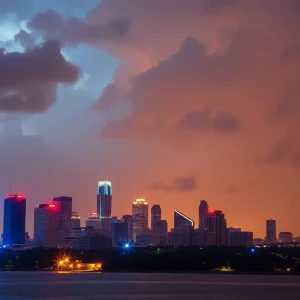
[
  {"x": 207, "y": 119},
  {"x": 284, "y": 152},
  {"x": 52, "y": 25},
  {"x": 28, "y": 80},
  {"x": 180, "y": 184}
]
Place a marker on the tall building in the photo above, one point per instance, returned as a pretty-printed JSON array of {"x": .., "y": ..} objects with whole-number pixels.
[
  {"x": 75, "y": 220},
  {"x": 159, "y": 227},
  {"x": 271, "y": 231},
  {"x": 119, "y": 231},
  {"x": 104, "y": 204},
  {"x": 155, "y": 217},
  {"x": 128, "y": 219},
  {"x": 64, "y": 205},
  {"x": 46, "y": 221},
  {"x": 14, "y": 220},
  {"x": 203, "y": 210},
  {"x": 183, "y": 229},
  {"x": 139, "y": 217},
  {"x": 215, "y": 228}
]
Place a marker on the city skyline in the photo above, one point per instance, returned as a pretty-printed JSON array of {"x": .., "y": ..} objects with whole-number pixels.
[{"x": 153, "y": 215}]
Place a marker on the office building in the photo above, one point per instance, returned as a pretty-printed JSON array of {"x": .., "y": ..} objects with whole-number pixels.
[
  {"x": 64, "y": 205},
  {"x": 95, "y": 222},
  {"x": 215, "y": 228},
  {"x": 14, "y": 221},
  {"x": 104, "y": 204},
  {"x": 155, "y": 218},
  {"x": 75, "y": 220},
  {"x": 144, "y": 239},
  {"x": 158, "y": 227},
  {"x": 285, "y": 237},
  {"x": 82, "y": 231},
  {"x": 94, "y": 242},
  {"x": 139, "y": 217},
  {"x": 271, "y": 231},
  {"x": 183, "y": 229},
  {"x": 237, "y": 237},
  {"x": 46, "y": 220},
  {"x": 119, "y": 231},
  {"x": 128, "y": 219},
  {"x": 203, "y": 210}
]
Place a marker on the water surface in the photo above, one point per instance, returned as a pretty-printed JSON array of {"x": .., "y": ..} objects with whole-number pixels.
[{"x": 78, "y": 286}]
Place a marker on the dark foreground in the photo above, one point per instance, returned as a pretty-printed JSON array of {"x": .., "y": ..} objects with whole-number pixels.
[{"x": 43, "y": 285}]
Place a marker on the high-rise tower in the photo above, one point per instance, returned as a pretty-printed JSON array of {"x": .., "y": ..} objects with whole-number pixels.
[
  {"x": 139, "y": 217},
  {"x": 271, "y": 231},
  {"x": 46, "y": 221},
  {"x": 14, "y": 220},
  {"x": 203, "y": 209},
  {"x": 64, "y": 205},
  {"x": 215, "y": 225},
  {"x": 104, "y": 203},
  {"x": 155, "y": 218}
]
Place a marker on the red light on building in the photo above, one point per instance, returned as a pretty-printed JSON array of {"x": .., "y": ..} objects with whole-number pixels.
[
  {"x": 18, "y": 196},
  {"x": 94, "y": 214},
  {"x": 211, "y": 211},
  {"x": 52, "y": 205}
]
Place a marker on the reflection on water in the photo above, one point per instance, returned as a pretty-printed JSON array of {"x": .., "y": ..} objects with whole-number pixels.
[{"x": 68, "y": 285}]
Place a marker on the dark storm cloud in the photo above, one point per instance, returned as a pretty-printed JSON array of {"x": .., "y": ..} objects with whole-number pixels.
[
  {"x": 207, "y": 119},
  {"x": 28, "y": 80},
  {"x": 25, "y": 39},
  {"x": 180, "y": 184},
  {"x": 52, "y": 25}
]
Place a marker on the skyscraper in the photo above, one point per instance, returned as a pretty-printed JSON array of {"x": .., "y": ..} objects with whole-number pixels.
[
  {"x": 159, "y": 227},
  {"x": 14, "y": 220},
  {"x": 75, "y": 220},
  {"x": 64, "y": 205},
  {"x": 46, "y": 221},
  {"x": 271, "y": 231},
  {"x": 203, "y": 209},
  {"x": 128, "y": 219},
  {"x": 139, "y": 217},
  {"x": 155, "y": 218},
  {"x": 104, "y": 204},
  {"x": 183, "y": 229},
  {"x": 215, "y": 226},
  {"x": 119, "y": 232}
]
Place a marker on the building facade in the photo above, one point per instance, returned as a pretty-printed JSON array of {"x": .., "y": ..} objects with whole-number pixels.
[
  {"x": 64, "y": 205},
  {"x": 271, "y": 231},
  {"x": 14, "y": 221},
  {"x": 95, "y": 222},
  {"x": 119, "y": 230},
  {"x": 237, "y": 237},
  {"x": 75, "y": 220},
  {"x": 46, "y": 221},
  {"x": 128, "y": 219},
  {"x": 104, "y": 204},
  {"x": 203, "y": 210},
  {"x": 139, "y": 217},
  {"x": 215, "y": 229},
  {"x": 285, "y": 237},
  {"x": 183, "y": 229}
]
